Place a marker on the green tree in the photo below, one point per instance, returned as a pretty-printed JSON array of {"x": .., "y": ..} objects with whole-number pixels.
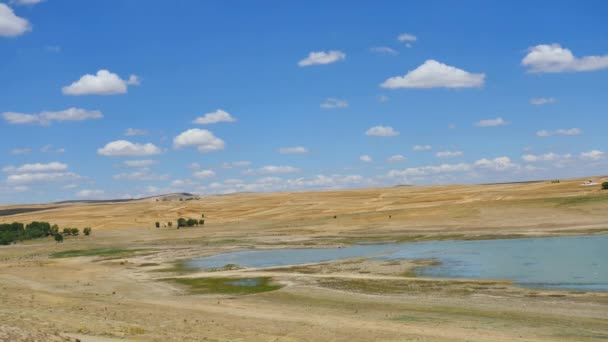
[
  {"x": 54, "y": 229},
  {"x": 75, "y": 231},
  {"x": 192, "y": 222},
  {"x": 181, "y": 222},
  {"x": 157, "y": 224},
  {"x": 201, "y": 222},
  {"x": 67, "y": 231},
  {"x": 58, "y": 238},
  {"x": 87, "y": 231},
  {"x": 605, "y": 185}
]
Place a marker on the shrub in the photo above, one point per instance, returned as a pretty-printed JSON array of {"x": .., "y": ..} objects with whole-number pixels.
[
  {"x": 170, "y": 224},
  {"x": 605, "y": 185},
  {"x": 86, "y": 231},
  {"x": 67, "y": 231},
  {"x": 181, "y": 222},
  {"x": 75, "y": 231},
  {"x": 201, "y": 222},
  {"x": 157, "y": 224},
  {"x": 192, "y": 222},
  {"x": 58, "y": 238}
]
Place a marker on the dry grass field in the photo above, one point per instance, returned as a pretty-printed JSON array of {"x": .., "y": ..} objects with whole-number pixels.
[{"x": 125, "y": 281}]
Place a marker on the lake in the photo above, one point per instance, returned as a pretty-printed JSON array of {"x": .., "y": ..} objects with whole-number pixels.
[{"x": 579, "y": 262}]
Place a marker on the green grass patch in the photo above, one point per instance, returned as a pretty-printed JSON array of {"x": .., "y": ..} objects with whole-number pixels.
[
  {"x": 109, "y": 253},
  {"x": 232, "y": 286}
]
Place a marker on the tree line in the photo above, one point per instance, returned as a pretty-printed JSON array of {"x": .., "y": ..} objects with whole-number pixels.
[
  {"x": 183, "y": 222},
  {"x": 16, "y": 231}
]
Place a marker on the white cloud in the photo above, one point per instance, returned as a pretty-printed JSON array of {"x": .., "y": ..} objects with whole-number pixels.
[
  {"x": 204, "y": 174},
  {"x": 293, "y": 150},
  {"x": 396, "y": 158},
  {"x": 539, "y": 101},
  {"x": 449, "y": 154},
  {"x": 140, "y": 175},
  {"x": 90, "y": 193},
  {"x": 496, "y": 164},
  {"x": 103, "y": 83},
  {"x": 214, "y": 117},
  {"x": 433, "y": 74},
  {"x": 26, "y": 178},
  {"x": 381, "y": 131},
  {"x": 422, "y": 148},
  {"x": 272, "y": 169},
  {"x": 140, "y": 163},
  {"x": 10, "y": 24},
  {"x": 365, "y": 158},
  {"x": 26, "y": 2},
  {"x": 37, "y": 167},
  {"x": 547, "y": 157},
  {"x": 593, "y": 155},
  {"x": 331, "y": 103},
  {"x": 46, "y": 118},
  {"x": 322, "y": 57},
  {"x": 203, "y": 139},
  {"x": 129, "y": 132},
  {"x": 553, "y": 58},
  {"x": 567, "y": 132},
  {"x": 124, "y": 148},
  {"x": 19, "y": 151},
  {"x": 491, "y": 122},
  {"x": 384, "y": 50},
  {"x": 406, "y": 37},
  {"x": 236, "y": 164},
  {"x": 429, "y": 170}
]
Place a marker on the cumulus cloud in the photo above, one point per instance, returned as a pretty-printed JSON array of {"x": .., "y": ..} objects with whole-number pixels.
[
  {"x": 547, "y": 157},
  {"x": 496, "y": 164},
  {"x": 46, "y": 118},
  {"x": 140, "y": 163},
  {"x": 406, "y": 37},
  {"x": 491, "y": 122},
  {"x": 103, "y": 83},
  {"x": 19, "y": 151},
  {"x": 381, "y": 131},
  {"x": 202, "y": 139},
  {"x": 433, "y": 74},
  {"x": 214, "y": 117},
  {"x": 365, "y": 158},
  {"x": 545, "y": 58},
  {"x": 26, "y": 178},
  {"x": 592, "y": 155},
  {"x": 236, "y": 164},
  {"x": 124, "y": 148},
  {"x": 26, "y": 2},
  {"x": 449, "y": 154},
  {"x": 10, "y": 24},
  {"x": 90, "y": 193},
  {"x": 143, "y": 174},
  {"x": 37, "y": 167},
  {"x": 539, "y": 101},
  {"x": 422, "y": 148},
  {"x": 429, "y": 170},
  {"x": 322, "y": 57},
  {"x": 396, "y": 158},
  {"x": 272, "y": 169},
  {"x": 129, "y": 132},
  {"x": 566, "y": 132},
  {"x": 384, "y": 50},
  {"x": 204, "y": 174},
  {"x": 293, "y": 150},
  {"x": 331, "y": 103}
]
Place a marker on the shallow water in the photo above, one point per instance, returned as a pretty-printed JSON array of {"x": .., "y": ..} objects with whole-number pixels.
[{"x": 559, "y": 262}]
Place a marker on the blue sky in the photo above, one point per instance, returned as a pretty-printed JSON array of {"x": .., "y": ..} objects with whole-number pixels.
[{"x": 282, "y": 96}]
